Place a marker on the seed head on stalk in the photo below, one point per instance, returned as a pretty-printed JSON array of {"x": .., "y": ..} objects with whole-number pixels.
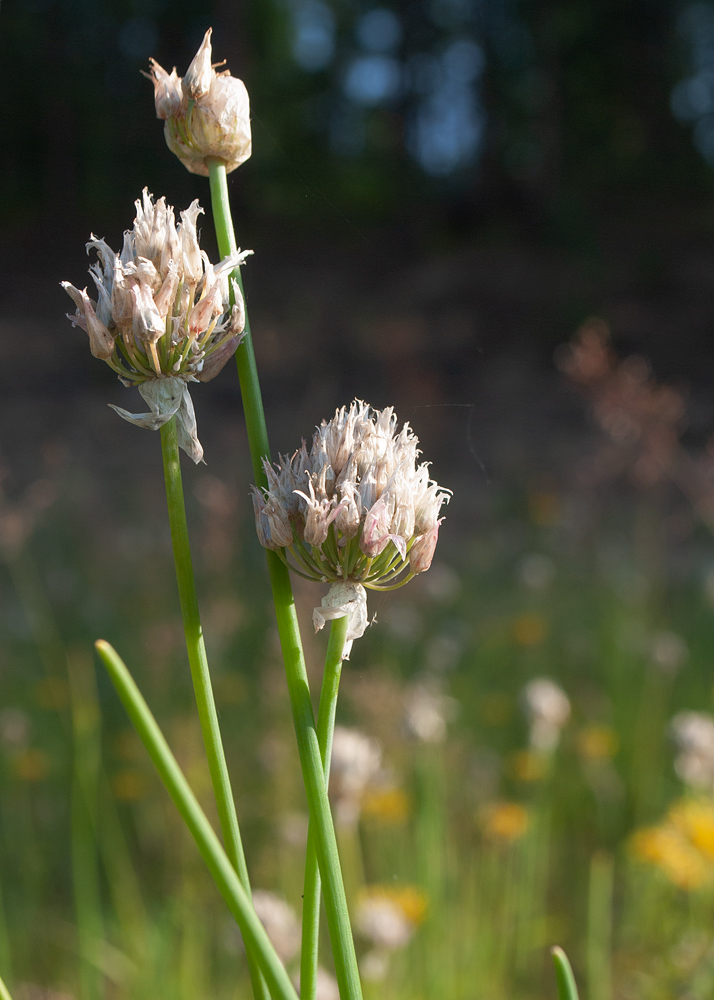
[
  {"x": 358, "y": 510},
  {"x": 206, "y": 114},
  {"x": 164, "y": 316}
]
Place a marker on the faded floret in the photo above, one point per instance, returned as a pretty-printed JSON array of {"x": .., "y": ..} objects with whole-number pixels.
[
  {"x": 206, "y": 114},
  {"x": 358, "y": 507},
  {"x": 163, "y": 315}
]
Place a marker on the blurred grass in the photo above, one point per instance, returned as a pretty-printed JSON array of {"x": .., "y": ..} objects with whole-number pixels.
[{"x": 103, "y": 895}]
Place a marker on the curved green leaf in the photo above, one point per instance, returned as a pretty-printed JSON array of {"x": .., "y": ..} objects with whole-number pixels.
[{"x": 567, "y": 990}]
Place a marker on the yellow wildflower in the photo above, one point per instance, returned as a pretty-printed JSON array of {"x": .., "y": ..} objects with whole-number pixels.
[
  {"x": 529, "y": 630},
  {"x": 528, "y": 765},
  {"x": 31, "y": 765},
  {"x": 505, "y": 821},
  {"x": 694, "y": 818},
  {"x": 129, "y": 785},
  {"x": 678, "y": 860},
  {"x": 390, "y": 805},
  {"x": 597, "y": 742}
]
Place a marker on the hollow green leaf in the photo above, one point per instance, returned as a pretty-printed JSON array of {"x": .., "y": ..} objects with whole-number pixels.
[{"x": 567, "y": 990}]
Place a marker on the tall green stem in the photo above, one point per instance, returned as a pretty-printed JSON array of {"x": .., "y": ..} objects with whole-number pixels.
[
  {"x": 309, "y": 956},
  {"x": 220, "y": 866},
  {"x": 303, "y": 718},
  {"x": 200, "y": 674}
]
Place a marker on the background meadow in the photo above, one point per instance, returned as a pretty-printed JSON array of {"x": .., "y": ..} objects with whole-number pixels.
[{"x": 442, "y": 196}]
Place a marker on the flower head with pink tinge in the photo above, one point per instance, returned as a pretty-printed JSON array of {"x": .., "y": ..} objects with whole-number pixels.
[
  {"x": 164, "y": 316},
  {"x": 357, "y": 508}
]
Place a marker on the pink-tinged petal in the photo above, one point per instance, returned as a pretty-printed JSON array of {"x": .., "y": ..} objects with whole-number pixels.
[
  {"x": 199, "y": 75},
  {"x": 375, "y": 533},
  {"x": 422, "y": 551}
]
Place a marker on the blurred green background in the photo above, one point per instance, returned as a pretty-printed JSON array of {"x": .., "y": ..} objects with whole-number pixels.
[{"x": 440, "y": 194}]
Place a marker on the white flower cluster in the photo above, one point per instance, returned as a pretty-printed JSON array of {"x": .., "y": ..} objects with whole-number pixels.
[
  {"x": 356, "y": 761},
  {"x": 358, "y": 507},
  {"x": 206, "y": 114},
  {"x": 163, "y": 316}
]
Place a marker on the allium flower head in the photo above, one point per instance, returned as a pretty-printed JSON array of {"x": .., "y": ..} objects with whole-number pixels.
[
  {"x": 206, "y": 114},
  {"x": 358, "y": 507},
  {"x": 164, "y": 315}
]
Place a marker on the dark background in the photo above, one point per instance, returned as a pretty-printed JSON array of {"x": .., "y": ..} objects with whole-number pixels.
[{"x": 440, "y": 192}]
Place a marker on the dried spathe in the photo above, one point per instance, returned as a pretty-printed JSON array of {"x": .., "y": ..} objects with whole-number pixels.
[
  {"x": 164, "y": 316},
  {"x": 206, "y": 114}
]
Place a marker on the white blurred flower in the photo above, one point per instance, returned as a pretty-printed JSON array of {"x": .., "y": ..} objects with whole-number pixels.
[
  {"x": 382, "y": 921},
  {"x": 356, "y": 760},
  {"x": 326, "y": 985},
  {"x": 14, "y": 728},
  {"x": 427, "y": 713},
  {"x": 280, "y": 922},
  {"x": 536, "y": 571},
  {"x": 547, "y": 709},
  {"x": 693, "y": 734},
  {"x": 374, "y": 966},
  {"x": 669, "y": 652}
]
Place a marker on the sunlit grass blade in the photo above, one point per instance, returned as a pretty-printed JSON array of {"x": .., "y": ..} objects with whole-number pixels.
[
  {"x": 4, "y": 991},
  {"x": 567, "y": 990},
  {"x": 220, "y": 867}
]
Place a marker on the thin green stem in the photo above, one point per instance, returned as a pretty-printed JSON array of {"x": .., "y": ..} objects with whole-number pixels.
[
  {"x": 288, "y": 629},
  {"x": 85, "y": 781},
  {"x": 4, "y": 991},
  {"x": 199, "y": 671},
  {"x": 219, "y": 864},
  {"x": 325, "y": 728}
]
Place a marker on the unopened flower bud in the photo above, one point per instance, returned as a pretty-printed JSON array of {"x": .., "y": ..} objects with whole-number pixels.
[
  {"x": 197, "y": 81},
  {"x": 422, "y": 551},
  {"x": 207, "y": 114},
  {"x": 167, "y": 90}
]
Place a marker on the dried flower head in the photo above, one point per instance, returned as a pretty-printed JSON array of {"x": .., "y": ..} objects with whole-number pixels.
[
  {"x": 358, "y": 508},
  {"x": 164, "y": 315},
  {"x": 206, "y": 114}
]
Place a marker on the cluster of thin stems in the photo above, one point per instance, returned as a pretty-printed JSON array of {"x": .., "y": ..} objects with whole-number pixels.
[
  {"x": 226, "y": 861},
  {"x": 373, "y": 572}
]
